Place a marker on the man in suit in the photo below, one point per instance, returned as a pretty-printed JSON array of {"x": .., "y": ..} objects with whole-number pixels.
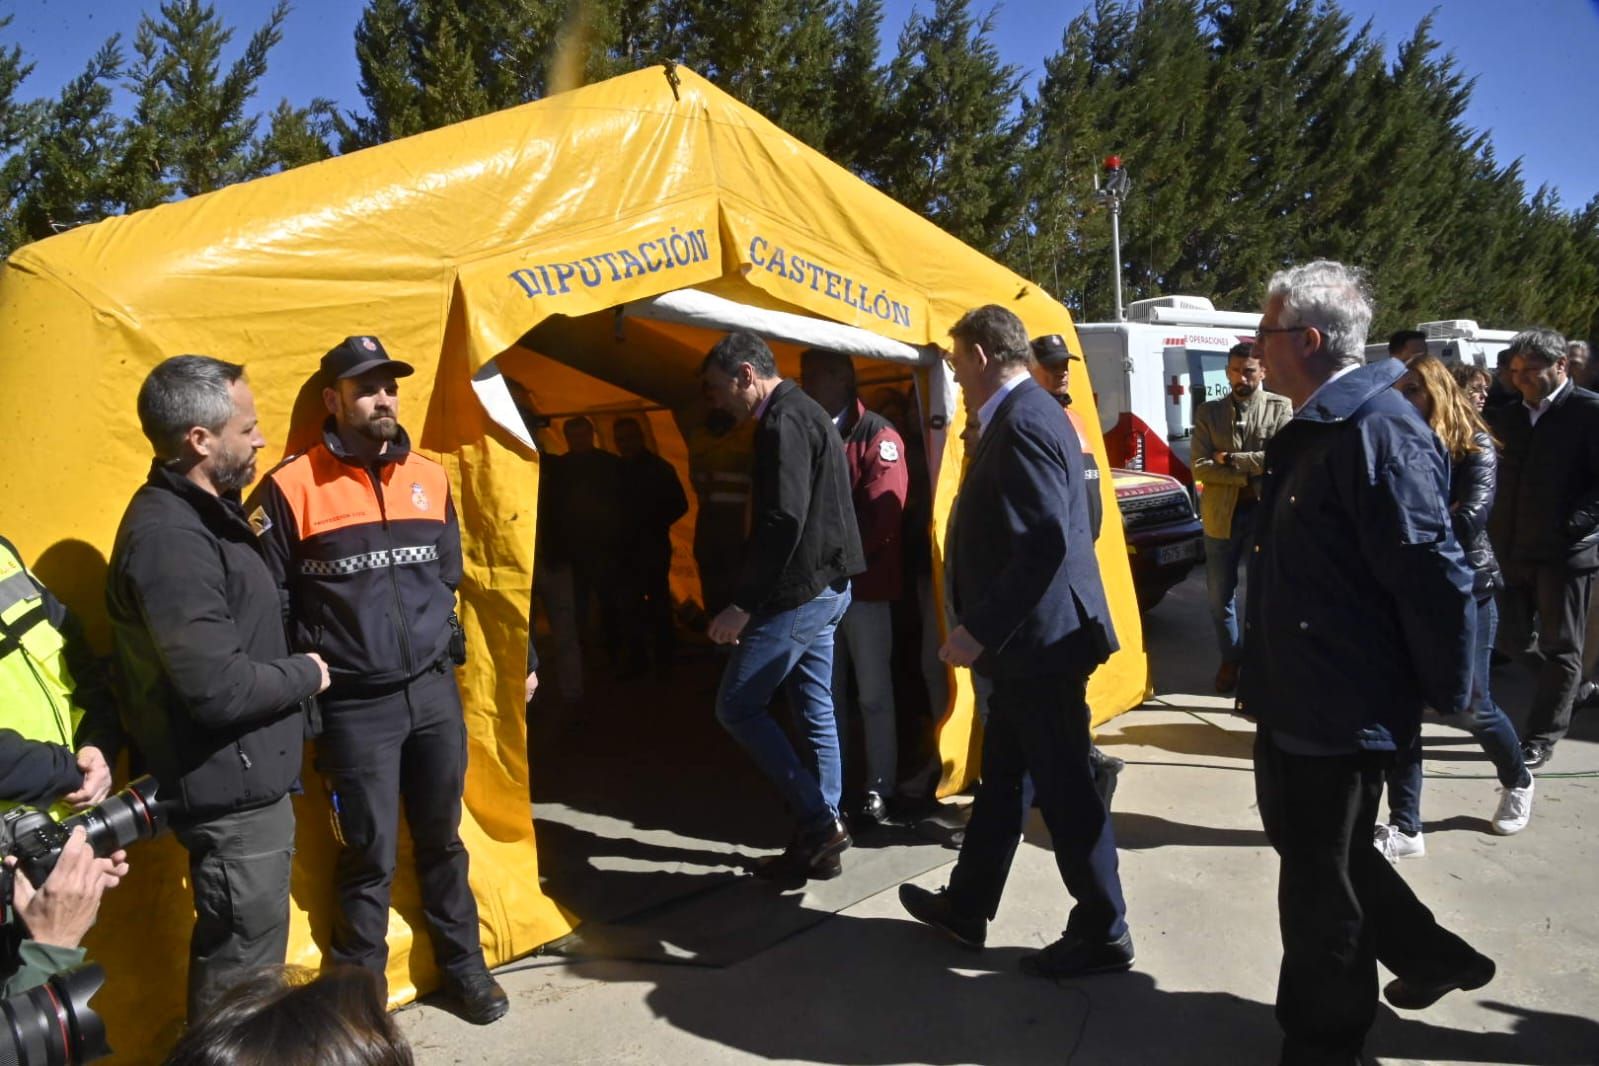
[
  {"x": 791, "y": 592},
  {"x": 1032, "y": 618},
  {"x": 1545, "y": 529}
]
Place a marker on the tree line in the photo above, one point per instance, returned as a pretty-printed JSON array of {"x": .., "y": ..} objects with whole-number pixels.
[{"x": 1257, "y": 132}]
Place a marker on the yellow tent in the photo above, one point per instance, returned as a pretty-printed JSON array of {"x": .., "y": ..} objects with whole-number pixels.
[{"x": 609, "y": 233}]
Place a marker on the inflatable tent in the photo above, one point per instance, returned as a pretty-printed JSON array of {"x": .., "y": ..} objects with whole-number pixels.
[{"x": 593, "y": 244}]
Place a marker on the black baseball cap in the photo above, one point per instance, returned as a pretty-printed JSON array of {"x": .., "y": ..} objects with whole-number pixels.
[
  {"x": 1051, "y": 350},
  {"x": 354, "y": 356}
]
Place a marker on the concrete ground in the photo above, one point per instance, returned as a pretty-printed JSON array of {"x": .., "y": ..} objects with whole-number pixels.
[{"x": 866, "y": 985}]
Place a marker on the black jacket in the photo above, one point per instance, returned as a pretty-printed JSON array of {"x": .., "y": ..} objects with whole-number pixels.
[
  {"x": 1359, "y": 600},
  {"x": 1472, "y": 479},
  {"x": 1026, "y": 581},
  {"x": 1547, "y": 511},
  {"x": 366, "y": 559},
  {"x": 35, "y": 771},
  {"x": 210, "y": 693},
  {"x": 802, "y": 521}
]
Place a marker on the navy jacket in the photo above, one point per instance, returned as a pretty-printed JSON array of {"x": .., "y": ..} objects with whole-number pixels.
[
  {"x": 802, "y": 522},
  {"x": 1026, "y": 582},
  {"x": 1359, "y": 606}
]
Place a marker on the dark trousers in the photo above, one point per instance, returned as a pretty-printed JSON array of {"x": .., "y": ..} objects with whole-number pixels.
[
  {"x": 375, "y": 751},
  {"x": 239, "y": 865},
  {"x": 1341, "y": 907},
  {"x": 1558, "y": 598},
  {"x": 647, "y": 615},
  {"x": 1039, "y": 727}
]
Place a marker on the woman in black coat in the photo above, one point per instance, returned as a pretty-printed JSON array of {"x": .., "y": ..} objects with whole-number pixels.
[{"x": 1453, "y": 416}]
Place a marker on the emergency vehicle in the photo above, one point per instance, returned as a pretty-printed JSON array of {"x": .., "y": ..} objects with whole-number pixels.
[
  {"x": 1150, "y": 371},
  {"x": 1456, "y": 340}
]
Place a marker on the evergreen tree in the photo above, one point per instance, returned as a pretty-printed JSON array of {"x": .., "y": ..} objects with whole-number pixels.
[
  {"x": 950, "y": 145},
  {"x": 858, "y": 88},
  {"x": 204, "y": 135},
  {"x": 63, "y": 167}
]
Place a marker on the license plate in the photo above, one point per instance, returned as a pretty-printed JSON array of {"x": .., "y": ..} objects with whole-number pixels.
[{"x": 1176, "y": 553}]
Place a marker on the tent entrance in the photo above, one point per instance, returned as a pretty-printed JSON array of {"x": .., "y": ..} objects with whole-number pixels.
[{"x": 641, "y": 799}]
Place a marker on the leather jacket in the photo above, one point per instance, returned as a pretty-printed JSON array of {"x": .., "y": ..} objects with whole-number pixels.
[{"x": 1472, "y": 480}]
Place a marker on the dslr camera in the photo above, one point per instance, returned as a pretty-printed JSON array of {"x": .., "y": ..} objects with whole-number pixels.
[
  {"x": 53, "y": 1024},
  {"x": 124, "y": 818}
]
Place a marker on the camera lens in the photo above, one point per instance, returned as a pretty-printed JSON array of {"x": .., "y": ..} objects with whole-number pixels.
[
  {"x": 125, "y": 818},
  {"x": 53, "y": 1025}
]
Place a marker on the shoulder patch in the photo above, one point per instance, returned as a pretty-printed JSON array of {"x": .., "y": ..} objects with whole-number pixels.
[
  {"x": 260, "y": 521},
  {"x": 888, "y": 451}
]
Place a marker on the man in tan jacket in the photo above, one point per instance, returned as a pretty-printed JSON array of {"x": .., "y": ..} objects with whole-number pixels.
[{"x": 1228, "y": 457}]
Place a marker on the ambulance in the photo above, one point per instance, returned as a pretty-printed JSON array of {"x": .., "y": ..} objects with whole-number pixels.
[
  {"x": 1150, "y": 371},
  {"x": 1456, "y": 340}
]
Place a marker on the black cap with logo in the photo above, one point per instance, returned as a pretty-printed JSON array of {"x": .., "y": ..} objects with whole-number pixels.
[
  {"x": 1051, "y": 350},
  {"x": 355, "y": 356}
]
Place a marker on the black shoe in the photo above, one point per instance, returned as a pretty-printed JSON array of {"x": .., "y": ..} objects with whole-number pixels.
[
  {"x": 871, "y": 814},
  {"x": 1226, "y": 679},
  {"x": 1414, "y": 995},
  {"x": 1536, "y": 753},
  {"x": 1072, "y": 956},
  {"x": 478, "y": 996},
  {"x": 808, "y": 856},
  {"x": 935, "y": 909}
]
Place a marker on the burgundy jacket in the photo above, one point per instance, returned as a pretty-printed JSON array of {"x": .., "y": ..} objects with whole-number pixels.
[{"x": 878, "y": 484}]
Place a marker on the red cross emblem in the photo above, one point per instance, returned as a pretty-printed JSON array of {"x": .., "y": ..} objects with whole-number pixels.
[{"x": 1176, "y": 390}]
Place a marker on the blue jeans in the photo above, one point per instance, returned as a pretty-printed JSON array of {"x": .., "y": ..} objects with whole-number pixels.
[
  {"x": 1223, "y": 556},
  {"x": 792, "y": 649},
  {"x": 1483, "y": 719}
]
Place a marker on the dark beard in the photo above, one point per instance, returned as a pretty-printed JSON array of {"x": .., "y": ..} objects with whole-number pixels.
[
  {"x": 234, "y": 477},
  {"x": 383, "y": 431}
]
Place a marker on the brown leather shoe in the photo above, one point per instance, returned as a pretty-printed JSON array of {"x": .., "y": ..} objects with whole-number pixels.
[{"x": 1226, "y": 679}]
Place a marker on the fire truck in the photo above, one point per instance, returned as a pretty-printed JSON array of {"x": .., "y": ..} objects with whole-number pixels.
[{"x": 1150, "y": 372}]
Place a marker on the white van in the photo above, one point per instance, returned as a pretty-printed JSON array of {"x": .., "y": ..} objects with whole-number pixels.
[
  {"x": 1456, "y": 340},
  {"x": 1150, "y": 371}
]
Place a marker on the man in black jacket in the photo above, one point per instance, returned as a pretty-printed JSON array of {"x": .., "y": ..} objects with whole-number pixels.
[
  {"x": 210, "y": 692},
  {"x": 361, "y": 536},
  {"x": 791, "y": 592},
  {"x": 1033, "y": 619},
  {"x": 1545, "y": 528}
]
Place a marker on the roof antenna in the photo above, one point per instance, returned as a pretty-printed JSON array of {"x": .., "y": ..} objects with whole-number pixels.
[{"x": 672, "y": 78}]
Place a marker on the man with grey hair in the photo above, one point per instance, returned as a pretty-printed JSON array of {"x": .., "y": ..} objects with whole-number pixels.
[
  {"x": 1359, "y": 612},
  {"x": 1545, "y": 529},
  {"x": 1577, "y": 363},
  {"x": 209, "y": 690},
  {"x": 1032, "y": 618}
]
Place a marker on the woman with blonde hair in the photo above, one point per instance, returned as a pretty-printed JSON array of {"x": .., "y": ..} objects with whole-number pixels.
[{"x": 1450, "y": 411}]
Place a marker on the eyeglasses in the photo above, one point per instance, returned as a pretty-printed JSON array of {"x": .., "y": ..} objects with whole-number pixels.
[{"x": 1280, "y": 329}]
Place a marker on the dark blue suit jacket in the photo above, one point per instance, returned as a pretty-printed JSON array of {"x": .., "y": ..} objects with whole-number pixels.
[{"x": 1026, "y": 583}]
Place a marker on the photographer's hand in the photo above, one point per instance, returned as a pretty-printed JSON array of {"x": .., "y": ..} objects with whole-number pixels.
[
  {"x": 96, "y": 779},
  {"x": 62, "y": 910}
]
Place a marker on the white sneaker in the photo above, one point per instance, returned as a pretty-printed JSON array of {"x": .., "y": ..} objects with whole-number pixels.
[
  {"x": 1515, "y": 808},
  {"x": 1395, "y": 845}
]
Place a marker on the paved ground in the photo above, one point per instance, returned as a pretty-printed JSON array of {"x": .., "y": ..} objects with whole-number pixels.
[{"x": 867, "y": 986}]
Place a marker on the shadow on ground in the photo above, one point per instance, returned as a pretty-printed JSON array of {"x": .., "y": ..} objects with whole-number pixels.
[{"x": 878, "y": 990}]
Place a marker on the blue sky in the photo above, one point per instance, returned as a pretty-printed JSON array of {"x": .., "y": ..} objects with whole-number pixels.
[{"x": 1534, "y": 60}]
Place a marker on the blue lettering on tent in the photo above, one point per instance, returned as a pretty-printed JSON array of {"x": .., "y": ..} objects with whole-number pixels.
[
  {"x": 665, "y": 252},
  {"x": 835, "y": 285}
]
